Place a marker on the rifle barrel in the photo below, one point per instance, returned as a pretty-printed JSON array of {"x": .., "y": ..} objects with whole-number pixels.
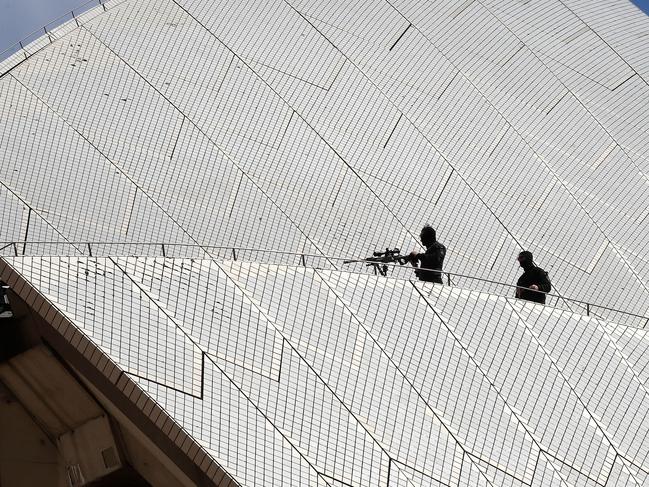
[{"x": 384, "y": 259}]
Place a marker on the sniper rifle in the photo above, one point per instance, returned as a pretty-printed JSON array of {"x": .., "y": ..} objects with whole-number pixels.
[{"x": 379, "y": 260}]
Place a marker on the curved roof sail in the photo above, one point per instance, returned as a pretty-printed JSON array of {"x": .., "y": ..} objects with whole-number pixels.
[{"x": 166, "y": 164}]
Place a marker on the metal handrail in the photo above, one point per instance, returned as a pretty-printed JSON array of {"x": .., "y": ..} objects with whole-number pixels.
[
  {"x": 35, "y": 35},
  {"x": 302, "y": 259},
  {"x": 60, "y": 20}
]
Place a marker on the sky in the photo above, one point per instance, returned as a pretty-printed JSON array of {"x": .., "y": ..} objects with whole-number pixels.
[
  {"x": 19, "y": 18},
  {"x": 643, "y": 4}
]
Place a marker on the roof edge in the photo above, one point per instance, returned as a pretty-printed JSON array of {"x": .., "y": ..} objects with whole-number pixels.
[
  {"x": 26, "y": 50},
  {"x": 111, "y": 380}
]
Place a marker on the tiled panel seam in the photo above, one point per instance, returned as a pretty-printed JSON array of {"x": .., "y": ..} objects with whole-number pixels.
[
  {"x": 59, "y": 328},
  {"x": 457, "y": 340},
  {"x": 204, "y": 353},
  {"x": 428, "y": 141},
  {"x": 304, "y": 120},
  {"x": 484, "y": 374},
  {"x": 604, "y": 41},
  {"x": 611, "y": 341},
  {"x": 208, "y": 138},
  {"x": 548, "y": 355},
  {"x": 40, "y": 215},
  {"x": 583, "y": 105},
  {"x": 216, "y": 365},
  {"x": 315, "y": 372},
  {"x": 109, "y": 161},
  {"x": 361, "y": 324},
  {"x": 574, "y": 95},
  {"x": 505, "y": 119}
]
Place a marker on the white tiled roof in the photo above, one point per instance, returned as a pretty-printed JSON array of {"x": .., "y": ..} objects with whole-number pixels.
[
  {"x": 362, "y": 380},
  {"x": 339, "y": 128},
  {"x": 335, "y": 129}
]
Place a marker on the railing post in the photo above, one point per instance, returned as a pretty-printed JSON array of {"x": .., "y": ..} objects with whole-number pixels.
[
  {"x": 303, "y": 260},
  {"x": 47, "y": 34},
  {"x": 164, "y": 254},
  {"x": 15, "y": 249},
  {"x": 587, "y": 309},
  {"x": 89, "y": 249},
  {"x": 448, "y": 276},
  {"x": 234, "y": 253}
]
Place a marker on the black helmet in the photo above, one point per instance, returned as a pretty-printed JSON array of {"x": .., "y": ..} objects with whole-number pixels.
[
  {"x": 428, "y": 236},
  {"x": 525, "y": 258}
]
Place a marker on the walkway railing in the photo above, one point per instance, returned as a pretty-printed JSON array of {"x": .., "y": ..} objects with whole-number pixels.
[
  {"x": 47, "y": 29},
  {"x": 260, "y": 255},
  {"x": 290, "y": 258}
]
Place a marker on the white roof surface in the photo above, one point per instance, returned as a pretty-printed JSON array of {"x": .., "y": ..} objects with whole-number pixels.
[
  {"x": 295, "y": 376},
  {"x": 338, "y": 128}
]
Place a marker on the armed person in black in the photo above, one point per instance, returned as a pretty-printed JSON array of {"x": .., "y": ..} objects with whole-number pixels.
[
  {"x": 534, "y": 284},
  {"x": 432, "y": 260}
]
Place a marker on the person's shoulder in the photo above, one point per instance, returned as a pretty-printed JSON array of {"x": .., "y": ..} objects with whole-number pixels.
[
  {"x": 435, "y": 249},
  {"x": 540, "y": 271}
]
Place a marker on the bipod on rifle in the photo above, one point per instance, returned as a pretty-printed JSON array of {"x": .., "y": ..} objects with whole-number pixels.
[{"x": 379, "y": 260}]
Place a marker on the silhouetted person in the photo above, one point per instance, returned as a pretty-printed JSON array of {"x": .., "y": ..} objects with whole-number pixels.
[
  {"x": 430, "y": 261},
  {"x": 534, "y": 284}
]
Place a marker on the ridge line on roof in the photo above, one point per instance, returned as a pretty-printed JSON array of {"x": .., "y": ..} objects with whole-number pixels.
[
  {"x": 311, "y": 127},
  {"x": 21, "y": 59},
  {"x": 218, "y": 147},
  {"x": 503, "y": 117},
  {"x": 491, "y": 382},
  {"x": 560, "y": 372},
  {"x": 362, "y": 325},
  {"x": 528, "y": 144}
]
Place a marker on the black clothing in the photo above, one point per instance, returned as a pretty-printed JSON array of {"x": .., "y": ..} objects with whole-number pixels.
[
  {"x": 433, "y": 258},
  {"x": 533, "y": 275}
]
